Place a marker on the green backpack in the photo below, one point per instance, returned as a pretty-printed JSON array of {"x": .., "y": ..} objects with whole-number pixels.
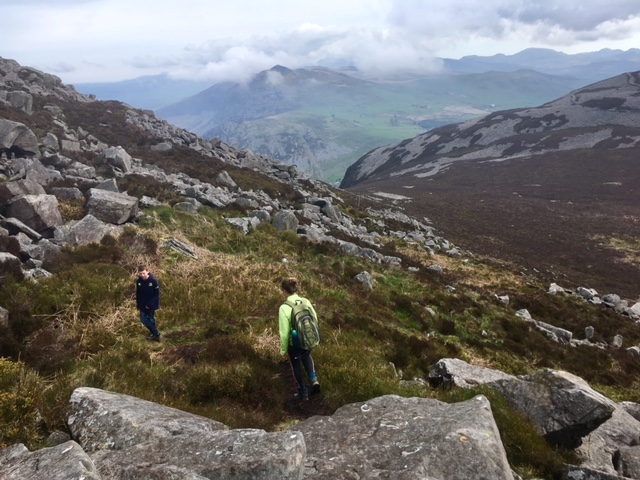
[{"x": 304, "y": 325}]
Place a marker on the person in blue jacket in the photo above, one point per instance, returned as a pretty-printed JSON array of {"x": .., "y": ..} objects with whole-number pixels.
[{"x": 148, "y": 300}]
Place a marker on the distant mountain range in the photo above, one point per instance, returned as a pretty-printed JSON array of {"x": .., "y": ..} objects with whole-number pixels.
[
  {"x": 148, "y": 92},
  {"x": 588, "y": 67},
  {"x": 324, "y": 119}
]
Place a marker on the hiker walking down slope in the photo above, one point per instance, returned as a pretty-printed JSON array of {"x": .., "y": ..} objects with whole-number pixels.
[
  {"x": 148, "y": 301},
  {"x": 289, "y": 343}
]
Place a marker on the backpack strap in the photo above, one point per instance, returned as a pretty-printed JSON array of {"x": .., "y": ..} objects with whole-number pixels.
[{"x": 292, "y": 305}]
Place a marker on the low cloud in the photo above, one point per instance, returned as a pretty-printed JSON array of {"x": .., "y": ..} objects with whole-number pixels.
[
  {"x": 93, "y": 40},
  {"x": 366, "y": 50}
]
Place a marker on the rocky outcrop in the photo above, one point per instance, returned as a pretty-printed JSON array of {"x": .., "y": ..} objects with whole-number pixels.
[
  {"x": 119, "y": 436},
  {"x": 405, "y": 438},
  {"x": 566, "y": 410},
  {"x": 585, "y": 118},
  {"x": 114, "y": 429},
  {"x": 16, "y": 78},
  {"x": 562, "y": 406}
]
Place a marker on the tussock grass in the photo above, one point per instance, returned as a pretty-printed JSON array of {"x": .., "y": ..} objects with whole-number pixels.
[
  {"x": 71, "y": 209},
  {"x": 19, "y": 391}
]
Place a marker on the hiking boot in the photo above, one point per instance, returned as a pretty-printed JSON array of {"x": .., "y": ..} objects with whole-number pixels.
[
  {"x": 301, "y": 397},
  {"x": 153, "y": 338},
  {"x": 315, "y": 386}
]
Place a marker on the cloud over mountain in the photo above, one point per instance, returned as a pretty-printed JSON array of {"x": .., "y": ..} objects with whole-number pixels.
[{"x": 89, "y": 41}]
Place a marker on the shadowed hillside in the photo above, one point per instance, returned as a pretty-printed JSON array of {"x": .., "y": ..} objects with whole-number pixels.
[{"x": 550, "y": 188}]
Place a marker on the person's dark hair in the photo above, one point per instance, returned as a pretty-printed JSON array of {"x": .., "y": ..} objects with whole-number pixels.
[
  {"x": 142, "y": 268},
  {"x": 290, "y": 285}
]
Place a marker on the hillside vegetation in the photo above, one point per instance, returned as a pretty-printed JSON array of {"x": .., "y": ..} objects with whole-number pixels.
[{"x": 219, "y": 356}]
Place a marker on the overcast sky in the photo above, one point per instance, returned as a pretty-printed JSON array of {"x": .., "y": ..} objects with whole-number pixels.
[{"x": 108, "y": 40}]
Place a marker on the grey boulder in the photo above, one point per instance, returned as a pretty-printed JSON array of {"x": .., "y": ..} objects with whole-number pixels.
[
  {"x": 62, "y": 462},
  {"x": 82, "y": 232},
  {"x": 111, "y": 207},
  {"x": 118, "y": 158},
  {"x": 18, "y": 137},
  {"x": 8, "y": 190},
  {"x": 131, "y": 438},
  {"x": 39, "y": 212},
  {"x": 405, "y": 438},
  {"x": 285, "y": 220},
  {"x": 455, "y": 372},
  {"x": 562, "y": 406}
]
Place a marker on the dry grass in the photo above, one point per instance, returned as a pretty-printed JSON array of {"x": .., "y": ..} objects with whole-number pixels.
[
  {"x": 628, "y": 247},
  {"x": 265, "y": 343},
  {"x": 71, "y": 210}
]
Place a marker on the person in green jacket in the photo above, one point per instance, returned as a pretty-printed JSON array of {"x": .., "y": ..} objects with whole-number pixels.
[{"x": 297, "y": 356}]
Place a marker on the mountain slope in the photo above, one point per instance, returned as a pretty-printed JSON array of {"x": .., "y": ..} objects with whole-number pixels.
[
  {"x": 552, "y": 184},
  {"x": 590, "y": 67}
]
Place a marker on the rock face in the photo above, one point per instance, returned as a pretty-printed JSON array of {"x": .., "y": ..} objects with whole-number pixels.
[
  {"x": 405, "y": 438},
  {"x": 513, "y": 133},
  {"x": 131, "y": 438}
]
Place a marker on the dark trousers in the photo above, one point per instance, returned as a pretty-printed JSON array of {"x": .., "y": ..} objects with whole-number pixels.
[
  {"x": 299, "y": 358},
  {"x": 148, "y": 320}
]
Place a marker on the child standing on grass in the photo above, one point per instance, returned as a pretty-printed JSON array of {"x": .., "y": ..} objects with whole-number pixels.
[
  {"x": 297, "y": 356},
  {"x": 148, "y": 300}
]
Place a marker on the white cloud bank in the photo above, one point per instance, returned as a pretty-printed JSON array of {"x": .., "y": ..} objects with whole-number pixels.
[{"x": 109, "y": 40}]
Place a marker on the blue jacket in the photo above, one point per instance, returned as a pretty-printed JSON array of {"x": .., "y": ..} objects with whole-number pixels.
[{"x": 147, "y": 293}]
